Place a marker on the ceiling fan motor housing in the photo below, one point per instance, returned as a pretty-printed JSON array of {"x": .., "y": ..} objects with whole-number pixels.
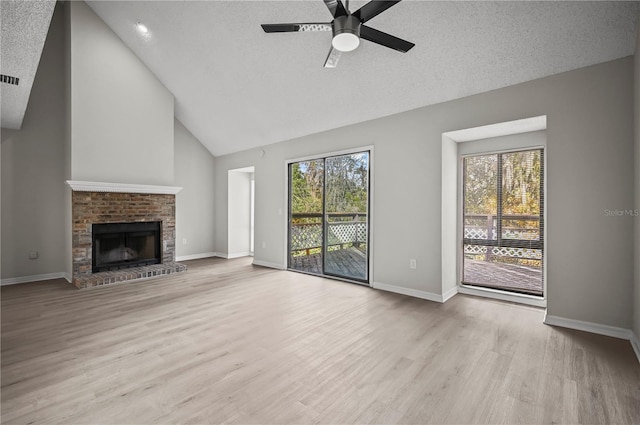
[{"x": 346, "y": 33}]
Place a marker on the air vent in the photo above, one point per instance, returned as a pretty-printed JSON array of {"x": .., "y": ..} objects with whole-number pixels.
[{"x": 9, "y": 80}]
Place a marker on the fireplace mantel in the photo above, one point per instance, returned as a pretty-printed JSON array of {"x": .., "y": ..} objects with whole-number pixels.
[{"x": 81, "y": 186}]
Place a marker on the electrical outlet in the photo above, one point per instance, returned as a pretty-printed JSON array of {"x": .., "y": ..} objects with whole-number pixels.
[
  {"x": 264, "y": 244},
  {"x": 33, "y": 255},
  {"x": 184, "y": 241},
  {"x": 412, "y": 263}
]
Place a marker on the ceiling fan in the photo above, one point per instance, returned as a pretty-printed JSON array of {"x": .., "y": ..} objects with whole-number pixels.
[{"x": 348, "y": 28}]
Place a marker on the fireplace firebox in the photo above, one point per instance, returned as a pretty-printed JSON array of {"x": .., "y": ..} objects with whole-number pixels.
[{"x": 124, "y": 245}]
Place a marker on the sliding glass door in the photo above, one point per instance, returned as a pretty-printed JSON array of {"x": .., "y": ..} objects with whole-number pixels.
[{"x": 329, "y": 216}]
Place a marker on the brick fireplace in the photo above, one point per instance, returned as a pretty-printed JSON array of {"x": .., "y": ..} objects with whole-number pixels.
[{"x": 94, "y": 203}]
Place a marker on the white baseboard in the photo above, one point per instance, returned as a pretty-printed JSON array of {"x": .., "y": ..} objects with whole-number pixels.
[
  {"x": 35, "y": 278},
  {"x": 503, "y": 296},
  {"x": 268, "y": 264},
  {"x": 239, "y": 254},
  {"x": 449, "y": 294},
  {"x": 594, "y": 328},
  {"x": 236, "y": 255},
  {"x": 408, "y": 291},
  {"x": 197, "y": 256},
  {"x": 635, "y": 344}
]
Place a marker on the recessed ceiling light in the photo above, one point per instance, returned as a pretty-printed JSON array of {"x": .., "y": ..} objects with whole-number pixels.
[{"x": 142, "y": 28}]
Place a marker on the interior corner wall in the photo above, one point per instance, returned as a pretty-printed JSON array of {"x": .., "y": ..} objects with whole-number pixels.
[
  {"x": 33, "y": 171},
  {"x": 239, "y": 205},
  {"x": 121, "y": 114},
  {"x": 636, "y": 297},
  {"x": 449, "y": 211},
  {"x": 195, "y": 216},
  {"x": 68, "y": 243},
  {"x": 589, "y": 170}
]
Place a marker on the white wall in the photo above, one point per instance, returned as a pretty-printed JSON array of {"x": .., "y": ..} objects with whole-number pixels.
[
  {"x": 636, "y": 298},
  {"x": 121, "y": 115},
  {"x": 589, "y": 169},
  {"x": 239, "y": 213},
  {"x": 33, "y": 172},
  {"x": 512, "y": 141},
  {"x": 195, "y": 171}
]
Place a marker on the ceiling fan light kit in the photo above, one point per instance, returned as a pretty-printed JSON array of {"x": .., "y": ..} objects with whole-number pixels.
[
  {"x": 346, "y": 33},
  {"x": 348, "y": 28}
]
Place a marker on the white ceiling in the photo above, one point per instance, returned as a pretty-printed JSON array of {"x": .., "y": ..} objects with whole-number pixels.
[{"x": 24, "y": 28}]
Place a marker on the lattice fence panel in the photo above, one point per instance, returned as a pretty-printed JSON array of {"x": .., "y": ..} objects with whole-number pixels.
[
  {"x": 475, "y": 233},
  {"x": 508, "y": 233},
  {"x": 341, "y": 233},
  {"x": 362, "y": 231},
  {"x": 533, "y": 254},
  {"x": 304, "y": 236},
  {"x": 523, "y": 234}
]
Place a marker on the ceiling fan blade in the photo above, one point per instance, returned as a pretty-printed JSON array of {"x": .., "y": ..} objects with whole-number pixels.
[
  {"x": 373, "y": 9},
  {"x": 384, "y": 39},
  {"x": 336, "y": 8},
  {"x": 312, "y": 26},
  {"x": 332, "y": 58}
]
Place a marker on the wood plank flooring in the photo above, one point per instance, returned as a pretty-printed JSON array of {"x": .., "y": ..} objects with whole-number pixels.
[{"x": 235, "y": 343}]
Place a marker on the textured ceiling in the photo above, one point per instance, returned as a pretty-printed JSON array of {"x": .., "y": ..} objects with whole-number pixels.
[
  {"x": 237, "y": 87},
  {"x": 24, "y": 28}
]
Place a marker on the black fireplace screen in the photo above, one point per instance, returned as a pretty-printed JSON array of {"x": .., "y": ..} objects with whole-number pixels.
[{"x": 123, "y": 245}]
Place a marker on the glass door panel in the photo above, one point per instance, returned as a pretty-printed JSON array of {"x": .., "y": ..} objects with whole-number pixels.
[
  {"x": 346, "y": 231},
  {"x": 306, "y": 203},
  {"x": 329, "y": 216},
  {"x": 503, "y": 221}
]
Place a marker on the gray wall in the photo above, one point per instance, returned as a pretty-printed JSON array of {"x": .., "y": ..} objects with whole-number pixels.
[
  {"x": 636, "y": 297},
  {"x": 195, "y": 171},
  {"x": 37, "y": 160},
  {"x": 33, "y": 171},
  {"x": 589, "y": 170},
  {"x": 121, "y": 115},
  {"x": 65, "y": 9}
]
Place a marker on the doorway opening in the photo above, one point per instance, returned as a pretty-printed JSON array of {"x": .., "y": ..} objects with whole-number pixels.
[{"x": 241, "y": 201}]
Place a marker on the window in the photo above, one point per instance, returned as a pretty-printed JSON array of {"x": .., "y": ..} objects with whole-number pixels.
[{"x": 503, "y": 221}]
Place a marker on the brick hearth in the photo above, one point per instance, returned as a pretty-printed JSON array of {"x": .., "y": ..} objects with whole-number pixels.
[{"x": 110, "y": 207}]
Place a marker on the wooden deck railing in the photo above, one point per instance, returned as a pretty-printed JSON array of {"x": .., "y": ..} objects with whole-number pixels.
[{"x": 344, "y": 229}]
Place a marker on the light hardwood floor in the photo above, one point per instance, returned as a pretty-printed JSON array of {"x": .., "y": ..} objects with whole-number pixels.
[{"x": 235, "y": 343}]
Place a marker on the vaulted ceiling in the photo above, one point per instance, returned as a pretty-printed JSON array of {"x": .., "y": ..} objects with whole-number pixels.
[
  {"x": 237, "y": 87},
  {"x": 24, "y": 29}
]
